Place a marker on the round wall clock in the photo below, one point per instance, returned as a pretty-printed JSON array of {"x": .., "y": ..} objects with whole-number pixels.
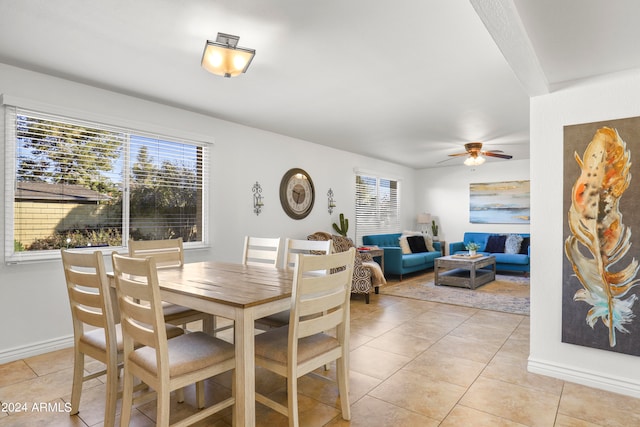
[{"x": 297, "y": 193}]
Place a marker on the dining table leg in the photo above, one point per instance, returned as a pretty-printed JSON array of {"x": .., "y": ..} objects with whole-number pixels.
[{"x": 245, "y": 407}]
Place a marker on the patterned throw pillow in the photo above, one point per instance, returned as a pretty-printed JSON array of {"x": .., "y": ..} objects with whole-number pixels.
[
  {"x": 404, "y": 245},
  {"x": 512, "y": 244}
]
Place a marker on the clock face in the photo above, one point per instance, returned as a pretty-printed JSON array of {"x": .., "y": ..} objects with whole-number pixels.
[{"x": 297, "y": 193}]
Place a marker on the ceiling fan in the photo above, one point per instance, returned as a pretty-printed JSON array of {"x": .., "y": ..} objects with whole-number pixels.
[{"x": 476, "y": 156}]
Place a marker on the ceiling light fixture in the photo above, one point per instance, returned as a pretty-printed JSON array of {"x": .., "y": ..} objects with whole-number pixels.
[
  {"x": 224, "y": 57},
  {"x": 474, "y": 160}
]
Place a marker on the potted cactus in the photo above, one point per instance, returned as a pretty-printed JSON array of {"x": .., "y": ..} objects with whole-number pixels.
[{"x": 343, "y": 227}]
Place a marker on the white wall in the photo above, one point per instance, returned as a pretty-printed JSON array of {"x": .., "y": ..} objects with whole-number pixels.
[
  {"x": 444, "y": 192},
  {"x": 610, "y": 97},
  {"x": 34, "y": 309}
]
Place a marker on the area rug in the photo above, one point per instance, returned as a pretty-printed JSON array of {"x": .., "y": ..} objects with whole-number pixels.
[{"x": 509, "y": 294}]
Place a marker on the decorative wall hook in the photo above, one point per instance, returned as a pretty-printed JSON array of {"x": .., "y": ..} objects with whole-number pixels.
[
  {"x": 257, "y": 198},
  {"x": 331, "y": 201}
]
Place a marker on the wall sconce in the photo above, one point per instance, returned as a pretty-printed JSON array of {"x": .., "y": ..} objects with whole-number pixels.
[
  {"x": 257, "y": 198},
  {"x": 224, "y": 57},
  {"x": 331, "y": 201}
]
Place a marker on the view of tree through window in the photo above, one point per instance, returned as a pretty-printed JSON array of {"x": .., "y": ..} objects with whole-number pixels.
[{"x": 82, "y": 184}]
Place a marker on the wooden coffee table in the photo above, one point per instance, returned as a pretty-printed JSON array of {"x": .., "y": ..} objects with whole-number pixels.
[{"x": 464, "y": 271}]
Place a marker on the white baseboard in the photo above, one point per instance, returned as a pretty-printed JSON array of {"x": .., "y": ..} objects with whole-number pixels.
[
  {"x": 587, "y": 378},
  {"x": 31, "y": 350}
]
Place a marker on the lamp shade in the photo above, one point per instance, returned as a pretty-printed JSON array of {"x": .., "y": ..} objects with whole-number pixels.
[
  {"x": 424, "y": 218},
  {"x": 224, "y": 58},
  {"x": 474, "y": 161}
]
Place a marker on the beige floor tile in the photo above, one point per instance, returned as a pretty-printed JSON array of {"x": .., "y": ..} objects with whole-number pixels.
[
  {"x": 419, "y": 394},
  {"x": 371, "y": 327},
  {"x": 523, "y": 405},
  {"x": 466, "y": 347},
  {"x": 514, "y": 371},
  {"x": 372, "y": 412},
  {"x": 516, "y": 348},
  {"x": 51, "y": 362},
  {"x": 404, "y": 345},
  {"x": 15, "y": 372},
  {"x": 376, "y": 363},
  {"x": 599, "y": 406},
  {"x": 463, "y": 416},
  {"x": 566, "y": 421},
  {"x": 446, "y": 368},
  {"x": 482, "y": 332}
]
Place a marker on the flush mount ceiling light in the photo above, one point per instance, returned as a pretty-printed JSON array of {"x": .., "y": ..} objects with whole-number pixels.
[{"x": 224, "y": 57}]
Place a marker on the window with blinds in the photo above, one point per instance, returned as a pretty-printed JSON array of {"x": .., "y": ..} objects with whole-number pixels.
[
  {"x": 76, "y": 184},
  {"x": 377, "y": 206}
]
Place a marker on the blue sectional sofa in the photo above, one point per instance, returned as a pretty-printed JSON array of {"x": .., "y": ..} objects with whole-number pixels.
[
  {"x": 397, "y": 262},
  {"x": 519, "y": 261}
]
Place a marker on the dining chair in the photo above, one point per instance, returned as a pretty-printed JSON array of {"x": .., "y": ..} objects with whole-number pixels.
[
  {"x": 96, "y": 326},
  {"x": 169, "y": 253},
  {"x": 292, "y": 248},
  {"x": 319, "y": 304},
  {"x": 261, "y": 251},
  {"x": 164, "y": 365}
]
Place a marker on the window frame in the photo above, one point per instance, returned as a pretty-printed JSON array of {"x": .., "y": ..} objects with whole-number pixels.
[
  {"x": 133, "y": 129},
  {"x": 394, "y": 226}
]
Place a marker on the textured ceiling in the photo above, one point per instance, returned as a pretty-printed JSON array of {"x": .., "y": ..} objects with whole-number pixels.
[{"x": 404, "y": 81}]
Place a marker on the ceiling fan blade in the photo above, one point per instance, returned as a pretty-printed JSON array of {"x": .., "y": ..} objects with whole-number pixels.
[
  {"x": 493, "y": 151},
  {"x": 493, "y": 154},
  {"x": 445, "y": 160},
  {"x": 458, "y": 154}
]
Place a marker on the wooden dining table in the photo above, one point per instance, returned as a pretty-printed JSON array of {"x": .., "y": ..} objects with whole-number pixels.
[{"x": 235, "y": 291}]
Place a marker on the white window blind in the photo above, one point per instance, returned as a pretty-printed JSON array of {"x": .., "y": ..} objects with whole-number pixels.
[
  {"x": 74, "y": 183},
  {"x": 377, "y": 205}
]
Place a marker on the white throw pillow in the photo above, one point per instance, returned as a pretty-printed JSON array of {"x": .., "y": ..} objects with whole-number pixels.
[{"x": 404, "y": 245}]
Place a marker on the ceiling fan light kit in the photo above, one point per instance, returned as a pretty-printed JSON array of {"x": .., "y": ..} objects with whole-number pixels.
[{"x": 475, "y": 155}]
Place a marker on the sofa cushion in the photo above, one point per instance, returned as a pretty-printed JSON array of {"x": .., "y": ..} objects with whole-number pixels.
[
  {"x": 417, "y": 244},
  {"x": 524, "y": 246},
  {"x": 495, "y": 243},
  {"x": 511, "y": 259},
  {"x": 413, "y": 260},
  {"x": 512, "y": 244}
]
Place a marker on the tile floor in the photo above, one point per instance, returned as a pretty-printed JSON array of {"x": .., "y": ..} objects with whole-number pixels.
[{"x": 413, "y": 363}]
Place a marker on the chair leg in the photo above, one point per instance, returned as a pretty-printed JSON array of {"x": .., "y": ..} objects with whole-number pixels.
[
  {"x": 112, "y": 395},
  {"x": 342, "y": 374},
  {"x": 366, "y": 298},
  {"x": 163, "y": 406},
  {"x": 292, "y": 401},
  {"x": 200, "y": 394},
  {"x": 127, "y": 399},
  {"x": 78, "y": 374}
]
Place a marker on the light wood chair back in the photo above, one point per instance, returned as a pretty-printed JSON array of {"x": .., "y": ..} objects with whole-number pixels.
[
  {"x": 261, "y": 251},
  {"x": 294, "y": 247},
  {"x": 164, "y": 365},
  {"x": 167, "y": 253},
  {"x": 320, "y": 302},
  {"x": 95, "y": 332}
]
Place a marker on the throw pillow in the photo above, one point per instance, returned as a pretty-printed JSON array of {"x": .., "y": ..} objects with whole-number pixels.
[
  {"x": 428, "y": 241},
  {"x": 404, "y": 245},
  {"x": 417, "y": 244},
  {"x": 512, "y": 244},
  {"x": 524, "y": 246},
  {"x": 495, "y": 244}
]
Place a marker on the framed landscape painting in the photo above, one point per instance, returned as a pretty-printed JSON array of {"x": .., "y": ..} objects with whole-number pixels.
[
  {"x": 601, "y": 241},
  {"x": 504, "y": 202}
]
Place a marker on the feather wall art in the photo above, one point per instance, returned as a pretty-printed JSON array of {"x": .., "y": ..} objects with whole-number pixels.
[{"x": 599, "y": 239}]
